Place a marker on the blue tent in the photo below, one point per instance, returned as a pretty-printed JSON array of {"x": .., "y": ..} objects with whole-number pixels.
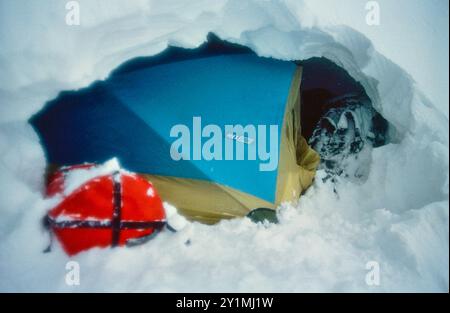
[{"x": 140, "y": 112}]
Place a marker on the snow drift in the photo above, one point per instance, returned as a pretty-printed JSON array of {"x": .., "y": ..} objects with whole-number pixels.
[{"x": 397, "y": 217}]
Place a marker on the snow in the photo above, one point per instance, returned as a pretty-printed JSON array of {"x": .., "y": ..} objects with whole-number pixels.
[
  {"x": 398, "y": 217},
  {"x": 151, "y": 192},
  {"x": 343, "y": 123},
  {"x": 414, "y": 35},
  {"x": 78, "y": 177},
  {"x": 174, "y": 220}
]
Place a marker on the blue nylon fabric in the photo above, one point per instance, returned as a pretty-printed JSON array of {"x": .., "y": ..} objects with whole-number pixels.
[{"x": 129, "y": 116}]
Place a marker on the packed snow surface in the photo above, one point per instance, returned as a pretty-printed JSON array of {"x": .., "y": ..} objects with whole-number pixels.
[{"x": 398, "y": 216}]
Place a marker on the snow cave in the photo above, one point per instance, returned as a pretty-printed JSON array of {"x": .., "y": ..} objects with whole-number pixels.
[{"x": 322, "y": 119}]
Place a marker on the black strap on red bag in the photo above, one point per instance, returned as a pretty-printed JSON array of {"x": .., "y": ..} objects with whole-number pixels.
[{"x": 116, "y": 224}]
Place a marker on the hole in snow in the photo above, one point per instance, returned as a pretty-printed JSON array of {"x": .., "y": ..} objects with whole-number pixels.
[{"x": 338, "y": 119}]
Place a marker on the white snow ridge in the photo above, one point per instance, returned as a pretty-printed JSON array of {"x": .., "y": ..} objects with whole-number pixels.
[{"x": 398, "y": 217}]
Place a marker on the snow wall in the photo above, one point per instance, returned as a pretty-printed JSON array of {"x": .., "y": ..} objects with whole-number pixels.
[{"x": 398, "y": 217}]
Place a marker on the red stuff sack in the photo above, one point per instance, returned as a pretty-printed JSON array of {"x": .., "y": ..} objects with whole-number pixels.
[{"x": 108, "y": 210}]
